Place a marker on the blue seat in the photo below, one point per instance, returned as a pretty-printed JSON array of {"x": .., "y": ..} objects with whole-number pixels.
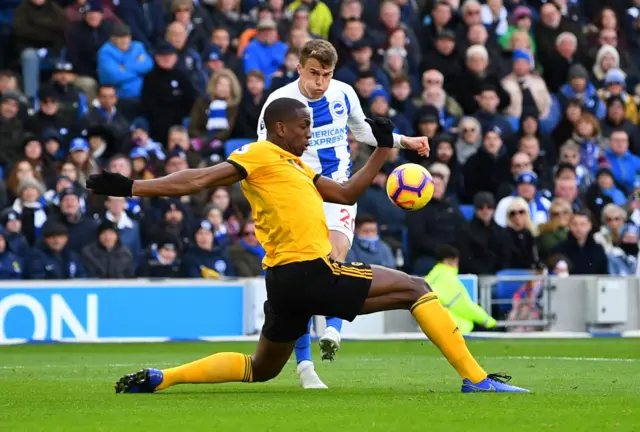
[
  {"x": 467, "y": 211},
  {"x": 235, "y": 143},
  {"x": 504, "y": 290}
]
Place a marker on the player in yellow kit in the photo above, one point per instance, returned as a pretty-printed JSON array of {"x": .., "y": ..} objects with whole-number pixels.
[{"x": 286, "y": 199}]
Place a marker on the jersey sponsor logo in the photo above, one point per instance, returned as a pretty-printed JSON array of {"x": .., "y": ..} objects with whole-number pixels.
[
  {"x": 241, "y": 150},
  {"x": 338, "y": 109},
  {"x": 328, "y": 137},
  {"x": 262, "y": 125}
]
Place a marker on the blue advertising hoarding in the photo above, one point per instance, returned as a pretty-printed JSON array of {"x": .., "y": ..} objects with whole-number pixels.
[{"x": 95, "y": 310}]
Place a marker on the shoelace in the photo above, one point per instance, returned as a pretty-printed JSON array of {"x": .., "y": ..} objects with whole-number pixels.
[{"x": 499, "y": 377}]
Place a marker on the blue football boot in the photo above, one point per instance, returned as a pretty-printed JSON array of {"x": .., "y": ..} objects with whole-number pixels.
[
  {"x": 493, "y": 383},
  {"x": 144, "y": 381}
]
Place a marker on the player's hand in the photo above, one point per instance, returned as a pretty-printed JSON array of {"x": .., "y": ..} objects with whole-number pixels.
[
  {"x": 419, "y": 144},
  {"x": 382, "y": 128},
  {"x": 111, "y": 184}
]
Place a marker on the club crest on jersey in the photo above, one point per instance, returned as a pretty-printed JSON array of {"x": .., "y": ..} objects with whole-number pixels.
[
  {"x": 338, "y": 109},
  {"x": 242, "y": 150}
]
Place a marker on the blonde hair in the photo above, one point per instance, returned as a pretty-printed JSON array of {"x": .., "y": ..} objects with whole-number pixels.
[
  {"x": 519, "y": 203},
  {"x": 477, "y": 50},
  {"x": 611, "y": 209},
  {"x": 442, "y": 169},
  {"x": 236, "y": 88},
  {"x": 522, "y": 35},
  {"x": 560, "y": 204}
]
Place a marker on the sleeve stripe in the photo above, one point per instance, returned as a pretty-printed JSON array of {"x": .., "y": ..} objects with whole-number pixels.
[
  {"x": 315, "y": 178},
  {"x": 240, "y": 168}
]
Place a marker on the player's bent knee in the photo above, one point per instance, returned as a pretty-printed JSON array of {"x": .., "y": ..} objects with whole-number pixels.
[
  {"x": 419, "y": 287},
  {"x": 262, "y": 371}
]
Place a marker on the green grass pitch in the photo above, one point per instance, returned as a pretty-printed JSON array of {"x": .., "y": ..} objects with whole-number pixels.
[{"x": 578, "y": 385}]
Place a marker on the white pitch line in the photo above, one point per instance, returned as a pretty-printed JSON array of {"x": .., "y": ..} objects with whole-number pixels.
[{"x": 583, "y": 359}]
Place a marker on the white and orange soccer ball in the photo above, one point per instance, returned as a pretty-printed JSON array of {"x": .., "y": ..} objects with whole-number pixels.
[{"x": 410, "y": 186}]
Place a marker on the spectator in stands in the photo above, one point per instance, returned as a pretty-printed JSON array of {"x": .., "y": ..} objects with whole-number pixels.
[
  {"x": 53, "y": 260},
  {"x": 288, "y": 73},
  {"x": 571, "y": 115},
  {"x": 401, "y": 89},
  {"x": 439, "y": 19},
  {"x": 320, "y": 17},
  {"x": 145, "y": 18},
  {"x": 76, "y": 10},
  {"x": 586, "y": 256},
  {"x": 579, "y": 87},
  {"x": 624, "y": 164},
  {"x": 81, "y": 228},
  {"x": 128, "y": 229},
  {"x": 522, "y": 233},
  {"x": 85, "y": 39},
  {"x": 606, "y": 59},
  {"x": 11, "y": 130},
  {"x": 444, "y": 151},
  {"x": 140, "y": 139},
  {"x": 123, "y": 63},
  {"x": 570, "y": 155},
  {"x": 196, "y": 20},
  {"x": 39, "y": 30},
  {"x": 488, "y": 115},
  {"x": 221, "y": 39},
  {"x": 567, "y": 189},
  {"x": 350, "y": 10},
  {"x": 163, "y": 259},
  {"x": 527, "y": 189},
  {"x": 379, "y": 102},
  {"x": 206, "y": 259},
  {"x": 431, "y": 226},
  {"x": 21, "y": 171},
  {"x": 367, "y": 246},
  {"x": 615, "y": 120},
  {"x": 30, "y": 208},
  {"x": 488, "y": 168},
  {"x": 212, "y": 60},
  {"x": 483, "y": 245},
  {"x": 140, "y": 164},
  {"x": 80, "y": 156},
  {"x": 530, "y": 145},
  {"x": 34, "y": 154},
  {"x": 476, "y": 74},
  {"x": 104, "y": 113},
  {"x": 361, "y": 60},
  {"x": 395, "y": 64},
  {"x": 557, "y": 66},
  {"x": 227, "y": 14},
  {"x": 250, "y": 106},
  {"x": 167, "y": 93},
  {"x": 615, "y": 84},
  {"x": 588, "y": 137},
  {"x": 447, "y": 114},
  {"x": 494, "y": 15},
  {"x": 49, "y": 115},
  {"x": 469, "y": 139},
  {"x": 220, "y": 228},
  {"x": 107, "y": 258},
  {"x": 619, "y": 240},
  {"x": 470, "y": 11},
  {"x": 213, "y": 115},
  {"x": 12, "y": 226},
  {"x": 189, "y": 61},
  {"x": 246, "y": 256},
  {"x": 605, "y": 188},
  {"x": 10, "y": 263},
  {"x": 265, "y": 53},
  {"x": 520, "y": 162},
  {"x": 556, "y": 230},
  {"x": 550, "y": 26},
  {"x": 300, "y": 20},
  {"x": 353, "y": 30},
  {"x": 526, "y": 90},
  {"x": 445, "y": 58}
]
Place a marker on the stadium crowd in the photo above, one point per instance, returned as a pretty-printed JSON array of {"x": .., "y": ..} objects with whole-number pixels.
[{"x": 531, "y": 108}]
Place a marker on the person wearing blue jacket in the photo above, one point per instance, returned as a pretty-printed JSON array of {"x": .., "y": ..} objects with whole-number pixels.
[
  {"x": 265, "y": 53},
  {"x": 12, "y": 228},
  {"x": 82, "y": 229},
  {"x": 579, "y": 87},
  {"x": 145, "y": 18},
  {"x": 205, "y": 259},
  {"x": 624, "y": 164},
  {"x": 10, "y": 263},
  {"x": 367, "y": 246},
  {"x": 53, "y": 260},
  {"x": 123, "y": 63}
]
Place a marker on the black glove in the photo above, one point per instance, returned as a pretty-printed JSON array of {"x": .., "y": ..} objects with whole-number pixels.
[
  {"x": 382, "y": 128},
  {"x": 111, "y": 184}
]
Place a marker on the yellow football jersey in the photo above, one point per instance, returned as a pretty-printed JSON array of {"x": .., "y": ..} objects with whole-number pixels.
[{"x": 285, "y": 203}]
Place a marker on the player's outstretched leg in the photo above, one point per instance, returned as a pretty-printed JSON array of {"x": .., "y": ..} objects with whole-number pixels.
[
  {"x": 330, "y": 340},
  {"x": 309, "y": 379},
  {"x": 265, "y": 364},
  {"x": 392, "y": 289}
]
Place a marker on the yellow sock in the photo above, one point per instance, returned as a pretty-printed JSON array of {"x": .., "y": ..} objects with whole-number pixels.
[
  {"x": 217, "y": 368},
  {"x": 436, "y": 322}
]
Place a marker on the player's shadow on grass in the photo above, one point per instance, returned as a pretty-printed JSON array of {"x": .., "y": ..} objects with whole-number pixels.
[{"x": 383, "y": 392}]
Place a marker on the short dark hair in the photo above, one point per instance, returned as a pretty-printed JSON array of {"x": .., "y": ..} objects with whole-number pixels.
[
  {"x": 365, "y": 218},
  {"x": 320, "y": 50},
  {"x": 400, "y": 79},
  {"x": 364, "y": 74},
  {"x": 256, "y": 74},
  {"x": 281, "y": 110},
  {"x": 564, "y": 166},
  {"x": 445, "y": 251},
  {"x": 106, "y": 86},
  {"x": 293, "y": 51},
  {"x": 583, "y": 212}
]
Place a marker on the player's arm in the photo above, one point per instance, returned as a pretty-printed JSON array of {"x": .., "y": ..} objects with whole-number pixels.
[
  {"x": 349, "y": 192},
  {"x": 180, "y": 183},
  {"x": 362, "y": 131}
]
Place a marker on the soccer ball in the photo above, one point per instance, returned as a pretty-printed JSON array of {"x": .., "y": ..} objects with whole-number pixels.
[{"x": 410, "y": 186}]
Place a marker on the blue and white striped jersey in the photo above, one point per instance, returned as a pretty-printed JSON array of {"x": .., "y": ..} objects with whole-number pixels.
[{"x": 333, "y": 115}]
